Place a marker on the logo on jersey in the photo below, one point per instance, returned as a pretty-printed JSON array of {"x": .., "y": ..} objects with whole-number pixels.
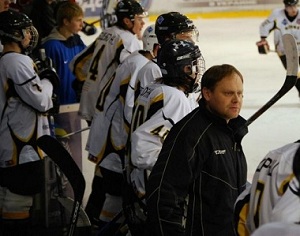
[
  {"x": 284, "y": 22},
  {"x": 220, "y": 152}
]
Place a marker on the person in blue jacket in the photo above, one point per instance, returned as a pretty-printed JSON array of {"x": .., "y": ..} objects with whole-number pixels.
[{"x": 62, "y": 44}]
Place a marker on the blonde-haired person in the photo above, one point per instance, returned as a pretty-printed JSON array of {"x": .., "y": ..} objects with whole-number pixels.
[{"x": 62, "y": 44}]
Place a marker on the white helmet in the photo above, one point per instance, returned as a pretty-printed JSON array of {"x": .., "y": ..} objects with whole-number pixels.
[{"x": 149, "y": 38}]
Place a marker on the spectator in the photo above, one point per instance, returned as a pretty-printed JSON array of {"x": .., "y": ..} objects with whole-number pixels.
[{"x": 63, "y": 44}]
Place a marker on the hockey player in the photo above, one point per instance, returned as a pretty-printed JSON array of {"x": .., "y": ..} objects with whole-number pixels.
[
  {"x": 278, "y": 229},
  {"x": 172, "y": 25},
  {"x": 161, "y": 105},
  {"x": 108, "y": 17},
  {"x": 63, "y": 44},
  {"x": 201, "y": 168},
  {"x": 25, "y": 97},
  {"x": 97, "y": 64},
  {"x": 281, "y": 21},
  {"x": 151, "y": 46},
  {"x": 273, "y": 195},
  {"x": 109, "y": 129}
]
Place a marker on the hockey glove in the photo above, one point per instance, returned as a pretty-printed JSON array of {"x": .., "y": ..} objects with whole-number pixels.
[
  {"x": 263, "y": 46},
  {"x": 88, "y": 29},
  {"x": 45, "y": 70},
  {"x": 51, "y": 76}
]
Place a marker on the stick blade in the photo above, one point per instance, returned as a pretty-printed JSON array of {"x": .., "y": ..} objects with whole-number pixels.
[{"x": 291, "y": 52}]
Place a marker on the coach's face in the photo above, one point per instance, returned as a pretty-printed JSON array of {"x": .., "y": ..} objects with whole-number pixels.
[{"x": 226, "y": 99}]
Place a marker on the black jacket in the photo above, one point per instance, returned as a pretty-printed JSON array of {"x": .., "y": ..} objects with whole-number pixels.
[{"x": 199, "y": 173}]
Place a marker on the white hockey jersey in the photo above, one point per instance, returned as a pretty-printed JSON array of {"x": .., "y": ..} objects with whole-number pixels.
[
  {"x": 97, "y": 64},
  {"x": 270, "y": 198},
  {"x": 156, "y": 110},
  {"x": 23, "y": 99},
  {"x": 109, "y": 129},
  {"x": 147, "y": 75},
  {"x": 135, "y": 65},
  {"x": 281, "y": 25},
  {"x": 278, "y": 229}
]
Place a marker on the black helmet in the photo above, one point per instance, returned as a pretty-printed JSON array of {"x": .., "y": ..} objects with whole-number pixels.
[
  {"x": 169, "y": 24},
  {"x": 128, "y": 9},
  {"x": 290, "y": 2},
  {"x": 13, "y": 25},
  {"x": 173, "y": 56}
]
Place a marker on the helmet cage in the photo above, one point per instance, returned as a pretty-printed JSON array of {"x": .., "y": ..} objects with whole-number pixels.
[
  {"x": 14, "y": 26},
  {"x": 197, "y": 69},
  {"x": 173, "y": 66},
  {"x": 34, "y": 39}
]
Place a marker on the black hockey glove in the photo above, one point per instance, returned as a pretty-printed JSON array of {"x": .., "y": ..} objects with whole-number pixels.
[
  {"x": 88, "y": 29},
  {"x": 51, "y": 76},
  {"x": 45, "y": 68},
  {"x": 263, "y": 46}
]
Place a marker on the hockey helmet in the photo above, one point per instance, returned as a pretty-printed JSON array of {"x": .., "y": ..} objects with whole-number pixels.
[
  {"x": 173, "y": 58},
  {"x": 129, "y": 9},
  {"x": 290, "y": 2},
  {"x": 170, "y": 24},
  {"x": 13, "y": 27},
  {"x": 149, "y": 38}
]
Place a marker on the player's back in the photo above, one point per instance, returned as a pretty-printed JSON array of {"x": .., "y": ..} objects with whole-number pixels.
[{"x": 271, "y": 195}]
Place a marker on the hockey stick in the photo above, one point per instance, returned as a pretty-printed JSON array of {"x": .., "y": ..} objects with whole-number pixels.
[
  {"x": 68, "y": 203},
  {"x": 65, "y": 162},
  {"x": 89, "y": 28},
  {"x": 72, "y": 133},
  {"x": 291, "y": 51}
]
